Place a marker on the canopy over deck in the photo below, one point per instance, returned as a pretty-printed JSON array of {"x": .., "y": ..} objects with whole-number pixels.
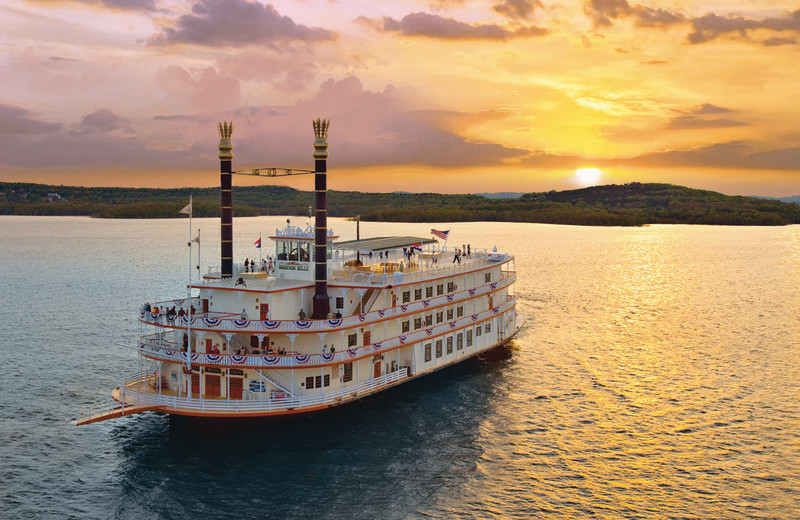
[{"x": 378, "y": 244}]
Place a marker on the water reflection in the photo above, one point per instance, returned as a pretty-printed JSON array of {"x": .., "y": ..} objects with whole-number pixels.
[{"x": 384, "y": 456}]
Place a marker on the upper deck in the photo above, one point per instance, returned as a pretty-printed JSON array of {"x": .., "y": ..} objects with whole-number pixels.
[{"x": 396, "y": 270}]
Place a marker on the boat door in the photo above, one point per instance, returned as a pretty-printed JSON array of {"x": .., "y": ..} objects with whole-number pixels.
[
  {"x": 208, "y": 345},
  {"x": 376, "y": 369},
  {"x": 237, "y": 384},
  {"x": 205, "y": 305},
  {"x": 212, "y": 385},
  {"x": 367, "y": 337},
  {"x": 195, "y": 384},
  {"x": 394, "y": 300},
  {"x": 264, "y": 311}
]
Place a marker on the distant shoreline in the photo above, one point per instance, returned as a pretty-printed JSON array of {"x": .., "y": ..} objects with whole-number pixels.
[{"x": 634, "y": 204}]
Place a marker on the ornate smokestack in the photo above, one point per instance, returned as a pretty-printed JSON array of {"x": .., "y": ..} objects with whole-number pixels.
[
  {"x": 321, "y": 306},
  {"x": 226, "y": 216}
]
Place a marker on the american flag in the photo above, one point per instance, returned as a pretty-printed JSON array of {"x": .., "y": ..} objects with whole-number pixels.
[{"x": 440, "y": 234}]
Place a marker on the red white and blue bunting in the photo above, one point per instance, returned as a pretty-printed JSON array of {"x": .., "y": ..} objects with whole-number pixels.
[
  {"x": 211, "y": 322},
  {"x": 303, "y": 324},
  {"x": 213, "y": 358},
  {"x": 271, "y": 360},
  {"x": 377, "y": 345},
  {"x": 352, "y": 352},
  {"x": 362, "y": 317},
  {"x": 238, "y": 359},
  {"x": 271, "y": 324},
  {"x": 241, "y": 323},
  {"x": 334, "y": 323},
  {"x": 301, "y": 359},
  {"x": 327, "y": 357}
]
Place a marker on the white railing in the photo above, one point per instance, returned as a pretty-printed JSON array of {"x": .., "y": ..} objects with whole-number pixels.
[
  {"x": 133, "y": 396},
  {"x": 154, "y": 348},
  {"x": 229, "y": 322}
]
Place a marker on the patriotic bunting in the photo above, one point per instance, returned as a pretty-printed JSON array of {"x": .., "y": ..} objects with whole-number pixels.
[
  {"x": 241, "y": 323},
  {"x": 303, "y": 324},
  {"x": 301, "y": 359},
  {"x": 271, "y": 360},
  {"x": 238, "y": 359},
  {"x": 213, "y": 358},
  {"x": 271, "y": 324},
  {"x": 352, "y": 352},
  {"x": 334, "y": 323},
  {"x": 328, "y": 357}
]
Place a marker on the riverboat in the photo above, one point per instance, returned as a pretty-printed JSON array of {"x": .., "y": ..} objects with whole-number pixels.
[{"x": 328, "y": 323}]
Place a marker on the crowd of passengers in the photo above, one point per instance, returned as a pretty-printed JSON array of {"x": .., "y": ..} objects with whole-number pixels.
[{"x": 169, "y": 312}]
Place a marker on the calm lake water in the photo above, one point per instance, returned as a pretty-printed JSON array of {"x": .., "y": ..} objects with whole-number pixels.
[{"x": 658, "y": 376}]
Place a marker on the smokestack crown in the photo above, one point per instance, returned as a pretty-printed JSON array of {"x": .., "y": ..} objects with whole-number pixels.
[
  {"x": 225, "y": 146},
  {"x": 321, "y": 141}
]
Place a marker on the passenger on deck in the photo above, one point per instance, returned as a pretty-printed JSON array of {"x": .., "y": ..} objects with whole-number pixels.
[
  {"x": 240, "y": 281},
  {"x": 302, "y": 314},
  {"x": 246, "y": 265},
  {"x": 338, "y": 314},
  {"x": 244, "y": 314}
]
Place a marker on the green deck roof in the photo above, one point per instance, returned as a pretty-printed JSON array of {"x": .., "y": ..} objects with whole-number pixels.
[{"x": 382, "y": 243}]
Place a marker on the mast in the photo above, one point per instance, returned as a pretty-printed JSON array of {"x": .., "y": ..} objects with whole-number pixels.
[
  {"x": 226, "y": 215},
  {"x": 321, "y": 302}
]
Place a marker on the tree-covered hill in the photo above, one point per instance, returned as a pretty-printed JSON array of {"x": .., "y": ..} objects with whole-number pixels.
[{"x": 612, "y": 205}]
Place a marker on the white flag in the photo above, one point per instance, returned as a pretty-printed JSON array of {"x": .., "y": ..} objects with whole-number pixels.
[
  {"x": 187, "y": 209},
  {"x": 197, "y": 238}
]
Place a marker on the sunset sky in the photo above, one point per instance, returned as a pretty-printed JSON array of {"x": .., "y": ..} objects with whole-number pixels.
[{"x": 424, "y": 96}]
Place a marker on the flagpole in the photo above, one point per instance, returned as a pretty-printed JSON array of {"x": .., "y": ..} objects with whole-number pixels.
[
  {"x": 198, "y": 254},
  {"x": 189, "y": 308},
  {"x": 444, "y": 246}
]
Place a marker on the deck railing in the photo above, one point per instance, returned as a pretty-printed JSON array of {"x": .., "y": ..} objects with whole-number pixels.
[
  {"x": 229, "y": 322},
  {"x": 163, "y": 350},
  {"x": 134, "y": 392}
]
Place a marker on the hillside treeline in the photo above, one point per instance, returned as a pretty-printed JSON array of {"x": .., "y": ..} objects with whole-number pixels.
[{"x": 631, "y": 204}]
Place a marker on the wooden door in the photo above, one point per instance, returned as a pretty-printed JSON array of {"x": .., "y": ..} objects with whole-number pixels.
[
  {"x": 394, "y": 300},
  {"x": 367, "y": 337},
  {"x": 264, "y": 310},
  {"x": 212, "y": 385},
  {"x": 208, "y": 345},
  {"x": 376, "y": 373},
  {"x": 237, "y": 384},
  {"x": 205, "y": 305},
  {"x": 195, "y": 384}
]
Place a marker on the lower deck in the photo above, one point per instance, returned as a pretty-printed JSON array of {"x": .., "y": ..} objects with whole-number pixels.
[{"x": 147, "y": 392}]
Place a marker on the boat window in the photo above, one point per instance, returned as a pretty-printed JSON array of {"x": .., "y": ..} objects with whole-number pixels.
[
  {"x": 469, "y": 338},
  {"x": 459, "y": 341},
  {"x": 283, "y": 251},
  {"x": 459, "y": 311},
  {"x": 438, "y": 348},
  {"x": 417, "y": 323},
  {"x": 488, "y": 327},
  {"x": 310, "y": 382},
  {"x": 406, "y": 296},
  {"x": 417, "y": 294},
  {"x": 427, "y": 352},
  {"x": 449, "y": 344},
  {"x": 352, "y": 339},
  {"x": 487, "y": 277},
  {"x": 451, "y": 286},
  {"x": 327, "y": 380},
  {"x": 440, "y": 289},
  {"x": 339, "y": 302},
  {"x": 318, "y": 381},
  {"x": 439, "y": 316},
  {"x": 405, "y": 326},
  {"x": 478, "y": 330},
  {"x": 449, "y": 314},
  {"x": 347, "y": 375},
  {"x": 429, "y": 320},
  {"x": 236, "y": 372},
  {"x": 429, "y": 292}
]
